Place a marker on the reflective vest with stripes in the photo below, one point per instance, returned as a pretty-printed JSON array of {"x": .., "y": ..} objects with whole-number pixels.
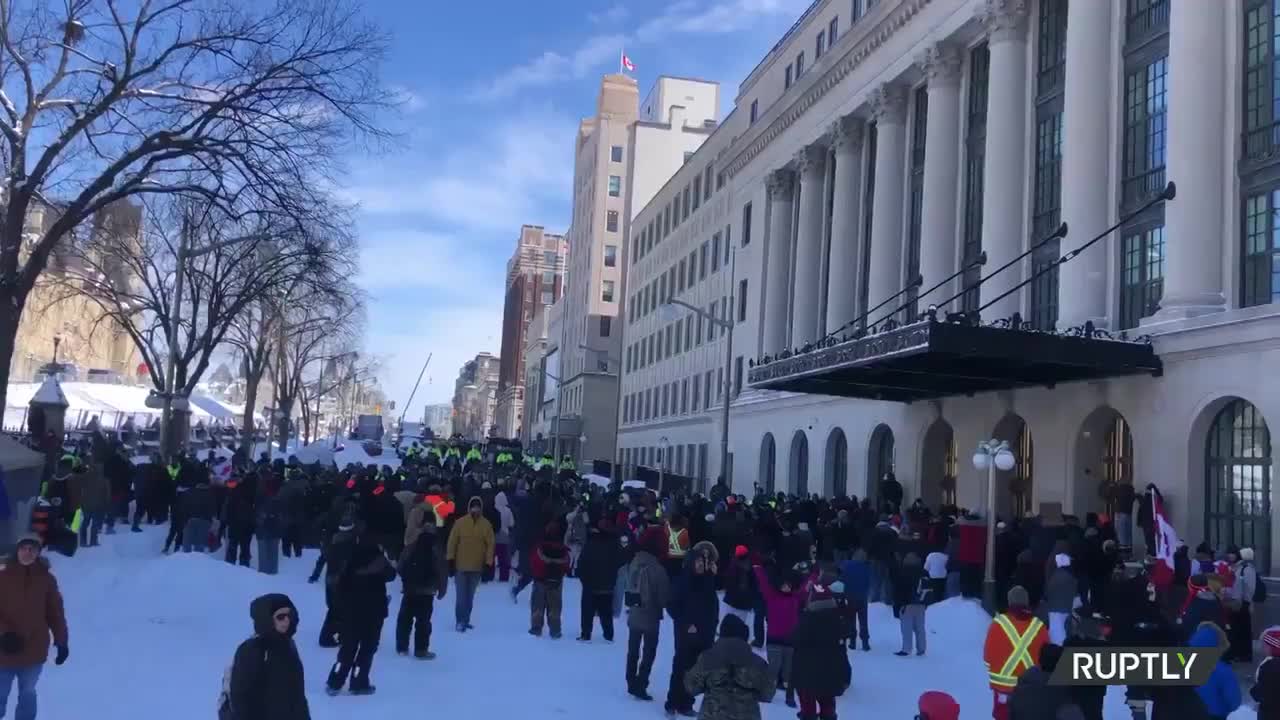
[
  {"x": 677, "y": 542},
  {"x": 1012, "y": 647}
]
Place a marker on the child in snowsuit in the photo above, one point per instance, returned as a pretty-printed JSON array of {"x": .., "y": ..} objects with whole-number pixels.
[
  {"x": 549, "y": 563},
  {"x": 782, "y": 608}
]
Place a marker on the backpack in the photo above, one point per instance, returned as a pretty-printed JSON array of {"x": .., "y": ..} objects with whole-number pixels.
[{"x": 225, "y": 711}]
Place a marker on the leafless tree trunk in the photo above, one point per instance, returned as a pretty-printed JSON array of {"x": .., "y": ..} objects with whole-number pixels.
[{"x": 245, "y": 105}]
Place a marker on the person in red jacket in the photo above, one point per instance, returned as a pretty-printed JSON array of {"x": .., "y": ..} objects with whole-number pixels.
[
  {"x": 549, "y": 563},
  {"x": 971, "y": 554},
  {"x": 782, "y": 606}
]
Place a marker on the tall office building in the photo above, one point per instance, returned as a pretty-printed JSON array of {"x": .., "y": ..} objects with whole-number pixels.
[
  {"x": 535, "y": 276},
  {"x": 621, "y": 158}
]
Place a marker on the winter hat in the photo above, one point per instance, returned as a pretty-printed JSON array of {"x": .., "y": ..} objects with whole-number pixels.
[
  {"x": 1062, "y": 560},
  {"x": 741, "y": 551},
  {"x": 1018, "y": 597},
  {"x": 733, "y": 627},
  {"x": 1271, "y": 640},
  {"x": 710, "y": 517},
  {"x": 936, "y": 705},
  {"x": 475, "y": 502},
  {"x": 30, "y": 539},
  {"x": 1246, "y": 554}
]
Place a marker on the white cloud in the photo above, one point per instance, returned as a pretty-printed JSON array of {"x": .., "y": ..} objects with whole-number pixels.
[
  {"x": 507, "y": 177},
  {"x": 684, "y": 17},
  {"x": 612, "y": 16},
  {"x": 401, "y": 259}
]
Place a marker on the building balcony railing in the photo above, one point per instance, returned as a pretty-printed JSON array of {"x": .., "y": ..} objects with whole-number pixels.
[
  {"x": 1139, "y": 189},
  {"x": 1260, "y": 143}
]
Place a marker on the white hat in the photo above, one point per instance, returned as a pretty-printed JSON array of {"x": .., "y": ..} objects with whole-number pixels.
[
  {"x": 1246, "y": 554},
  {"x": 1062, "y": 560}
]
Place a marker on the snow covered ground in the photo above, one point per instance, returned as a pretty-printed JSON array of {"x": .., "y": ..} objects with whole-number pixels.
[{"x": 152, "y": 634}]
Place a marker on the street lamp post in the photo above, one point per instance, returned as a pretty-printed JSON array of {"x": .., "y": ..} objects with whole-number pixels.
[
  {"x": 670, "y": 313},
  {"x": 184, "y": 253},
  {"x": 991, "y": 455}
]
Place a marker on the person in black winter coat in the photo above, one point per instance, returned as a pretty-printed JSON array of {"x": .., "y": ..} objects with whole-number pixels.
[
  {"x": 820, "y": 669},
  {"x": 425, "y": 576},
  {"x": 1035, "y": 699},
  {"x": 238, "y": 515},
  {"x": 695, "y": 613},
  {"x": 336, "y": 555},
  {"x": 362, "y": 609},
  {"x": 1084, "y": 630},
  {"x": 266, "y": 679},
  {"x": 199, "y": 506},
  {"x": 741, "y": 593},
  {"x": 598, "y": 570},
  {"x": 1266, "y": 683},
  {"x": 912, "y": 593}
]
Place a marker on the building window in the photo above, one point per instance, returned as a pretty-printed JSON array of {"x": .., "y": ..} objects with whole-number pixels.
[
  {"x": 1142, "y": 275},
  {"x": 548, "y": 297},
  {"x": 606, "y": 293},
  {"x": 819, "y": 44},
  {"x": 754, "y": 107},
  {"x": 746, "y": 225},
  {"x": 684, "y": 396},
  {"x": 1260, "y": 269},
  {"x": 685, "y": 214},
  {"x": 610, "y": 255},
  {"x": 918, "y": 131},
  {"x": 786, "y": 83},
  {"x": 666, "y": 222},
  {"x": 548, "y": 277},
  {"x": 666, "y": 400},
  {"x": 711, "y": 326},
  {"x": 615, "y": 153},
  {"x": 697, "y": 395},
  {"x": 675, "y": 212},
  {"x": 715, "y": 252},
  {"x": 688, "y": 333},
  {"x": 706, "y": 391},
  {"x": 615, "y": 186},
  {"x": 1144, "y": 133},
  {"x": 742, "y": 300},
  {"x": 833, "y": 30},
  {"x": 549, "y": 257},
  {"x": 668, "y": 333},
  {"x": 867, "y": 200},
  {"x": 693, "y": 268},
  {"x": 1261, "y": 97},
  {"x": 706, "y": 184},
  {"x": 606, "y": 328},
  {"x": 702, "y": 262},
  {"x": 1237, "y": 467},
  {"x": 799, "y": 65},
  {"x": 611, "y": 220},
  {"x": 737, "y": 376},
  {"x": 1047, "y": 192},
  {"x": 975, "y": 159}
]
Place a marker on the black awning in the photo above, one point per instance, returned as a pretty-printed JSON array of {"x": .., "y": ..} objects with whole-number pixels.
[{"x": 934, "y": 359}]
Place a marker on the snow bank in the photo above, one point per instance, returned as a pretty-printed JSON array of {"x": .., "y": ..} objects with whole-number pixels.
[{"x": 152, "y": 634}]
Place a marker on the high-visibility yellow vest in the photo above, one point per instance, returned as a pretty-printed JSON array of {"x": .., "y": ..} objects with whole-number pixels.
[
  {"x": 674, "y": 547},
  {"x": 1019, "y": 659}
]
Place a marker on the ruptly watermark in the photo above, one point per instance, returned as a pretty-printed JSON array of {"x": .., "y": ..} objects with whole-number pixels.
[{"x": 1170, "y": 666}]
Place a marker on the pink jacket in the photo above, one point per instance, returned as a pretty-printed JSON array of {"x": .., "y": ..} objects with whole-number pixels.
[{"x": 782, "y": 610}]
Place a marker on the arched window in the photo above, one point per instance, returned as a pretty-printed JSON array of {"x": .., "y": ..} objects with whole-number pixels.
[
  {"x": 1022, "y": 472},
  {"x": 950, "y": 472},
  {"x": 1117, "y": 454},
  {"x": 768, "y": 462},
  {"x": 799, "y": 479},
  {"x": 879, "y": 459},
  {"x": 837, "y": 463},
  {"x": 1238, "y": 481}
]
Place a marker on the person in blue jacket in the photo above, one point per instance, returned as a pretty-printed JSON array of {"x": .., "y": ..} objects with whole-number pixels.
[
  {"x": 694, "y": 608},
  {"x": 1221, "y": 695},
  {"x": 855, "y": 575}
]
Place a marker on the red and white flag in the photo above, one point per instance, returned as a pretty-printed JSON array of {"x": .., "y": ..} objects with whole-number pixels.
[
  {"x": 1166, "y": 543},
  {"x": 627, "y": 65}
]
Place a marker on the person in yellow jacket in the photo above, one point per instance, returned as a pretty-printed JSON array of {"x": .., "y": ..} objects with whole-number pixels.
[
  {"x": 469, "y": 552},
  {"x": 1012, "y": 647}
]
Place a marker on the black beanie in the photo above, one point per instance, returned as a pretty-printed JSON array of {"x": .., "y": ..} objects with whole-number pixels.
[{"x": 733, "y": 627}]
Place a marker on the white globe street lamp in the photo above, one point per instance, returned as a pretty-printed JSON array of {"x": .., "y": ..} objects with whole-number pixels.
[{"x": 992, "y": 455}]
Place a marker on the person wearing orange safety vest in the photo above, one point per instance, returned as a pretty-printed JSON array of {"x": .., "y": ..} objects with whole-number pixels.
[
  {"x": 677, "y": 544},
  {"x": 1013, "y": 644}
]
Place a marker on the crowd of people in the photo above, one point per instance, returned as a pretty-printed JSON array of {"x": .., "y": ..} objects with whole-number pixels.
[{"x": 794, "y": 576}]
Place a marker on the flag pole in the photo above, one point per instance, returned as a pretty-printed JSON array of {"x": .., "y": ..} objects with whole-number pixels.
[{"x": 622, "y": 68}]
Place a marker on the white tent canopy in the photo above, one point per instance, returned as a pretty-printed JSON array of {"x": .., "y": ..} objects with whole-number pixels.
[{"x": 112, "y": 404}]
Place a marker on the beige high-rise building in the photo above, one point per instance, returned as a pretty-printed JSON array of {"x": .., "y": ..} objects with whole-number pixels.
[
  {"x": 621, "y": 159},
  {"x": 475, "y": 397},
  {"x": 89, "y": 346},
  {"x": 535, "y": 277}
]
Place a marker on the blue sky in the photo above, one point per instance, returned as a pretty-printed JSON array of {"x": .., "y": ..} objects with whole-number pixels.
[{"x": 490, "y": 102}]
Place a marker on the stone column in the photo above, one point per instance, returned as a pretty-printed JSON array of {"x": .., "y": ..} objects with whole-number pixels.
[
  {"x": 811, "y": 169},
  {"x": 1197, "y": 101},
  {"x": 939, "y": 225},
  {"x": 889, "y": 105},
  {"x": 778, "y": 267},
  {"x": 845, "y": 267},
  {"x": 1086, "y": 163},
  {"x": 1004, "y": 214}
]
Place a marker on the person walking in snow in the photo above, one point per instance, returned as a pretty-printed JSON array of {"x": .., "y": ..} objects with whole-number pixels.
[
  {"x": 470, "y": 550},
  {"x": 820, "y": 670},
  {"x": 855, "y": 576},
  {"x": 503, "y": 535},
  {"x": 782, "y": 608},
  {"x": 1012, "y": 646},
  {"x": 266, "y": 678},
  {"x": 695, "y": 615},
  {"x": 1061, "y": 596},
  {"x": 912, "y": 593},
  {"x": 30, "y": 612},
  {"x": 425, "y": 579},
  {"x": 362, "y": 597},
  {"x": 550, "y": 565},
  {"x": 238, "y": 517},
  {"x": 598, "y": 570},
  {"x": 199, "y": 507},
  {"x": 646, "y": 595},
  {"x": 732, "y": 679}
]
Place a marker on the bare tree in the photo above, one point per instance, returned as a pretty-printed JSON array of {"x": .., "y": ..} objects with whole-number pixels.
[
  {"x": 310, "y": 322},
  {"x": 133, "y": 280},
  {"x": 243, "y": 104},
  {"x": 251, "y": 335}
]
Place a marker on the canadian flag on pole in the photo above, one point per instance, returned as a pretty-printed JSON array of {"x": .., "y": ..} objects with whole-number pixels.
[
  {"x": 627, "y": 65},
  {"x": 1166, "y": 543}
]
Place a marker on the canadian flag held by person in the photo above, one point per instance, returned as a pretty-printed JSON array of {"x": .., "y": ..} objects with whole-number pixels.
[{"x": 1166, "y": 543}]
